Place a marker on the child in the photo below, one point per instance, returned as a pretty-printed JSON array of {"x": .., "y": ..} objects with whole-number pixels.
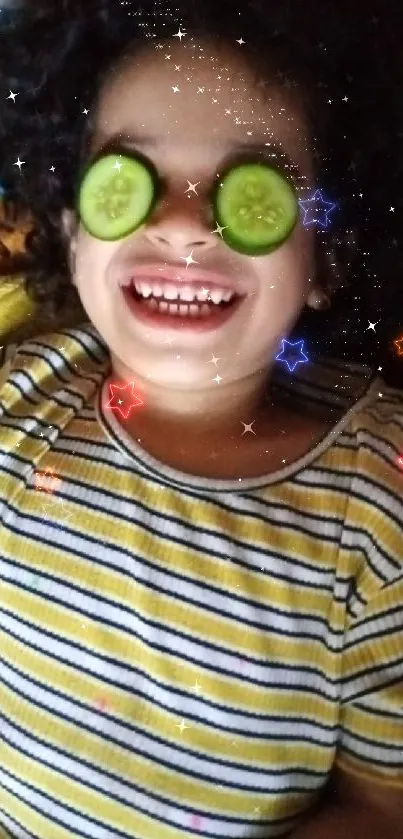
[{"x": 201, "y": 544}]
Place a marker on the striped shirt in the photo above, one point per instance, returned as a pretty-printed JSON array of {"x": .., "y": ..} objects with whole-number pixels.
[{"x": 188, "y": 657}]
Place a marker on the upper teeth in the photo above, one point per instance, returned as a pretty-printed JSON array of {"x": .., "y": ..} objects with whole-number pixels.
[{"x": 184, "y": 292}]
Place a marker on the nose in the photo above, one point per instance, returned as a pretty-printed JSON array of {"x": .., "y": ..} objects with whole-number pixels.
[{"x": 180, "y": 224}]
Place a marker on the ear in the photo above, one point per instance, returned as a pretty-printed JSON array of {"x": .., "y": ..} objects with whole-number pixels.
[{"x": 70, "y": 229}]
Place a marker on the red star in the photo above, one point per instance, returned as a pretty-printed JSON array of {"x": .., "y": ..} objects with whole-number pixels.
[
  {"x": 102, "y": 703},
  {"x": 196, "y": 821},
  {"x": 399, "y": 345},
  {"x": 46, "y": 481},
  {"x": 124, "y": 396}
]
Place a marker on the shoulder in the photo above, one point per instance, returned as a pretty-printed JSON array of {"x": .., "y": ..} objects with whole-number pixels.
[
  {"x": 378, "y": 428},
  {"x": 373, "y": 466},
  {"x": 7, "y": 354},
  {"x": 48, "y": 361}
]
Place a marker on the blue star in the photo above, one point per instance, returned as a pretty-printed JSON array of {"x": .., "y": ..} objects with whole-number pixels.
[
  {"x": 315, "y": 206},
  {"x": 292, "y": 363}
]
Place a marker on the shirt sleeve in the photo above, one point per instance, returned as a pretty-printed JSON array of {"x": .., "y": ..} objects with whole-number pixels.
[
  {"x": 7, "y": 354},
  {"x": 371, "y": 713},
  {"x": 370, "y": 742}
]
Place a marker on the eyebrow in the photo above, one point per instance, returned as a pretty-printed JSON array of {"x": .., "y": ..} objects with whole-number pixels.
[{"x": 124, "y": 139}]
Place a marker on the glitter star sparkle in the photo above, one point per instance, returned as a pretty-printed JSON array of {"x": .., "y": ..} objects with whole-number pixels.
[
  {"x": 219, "y": 229},
  {"x": 123, "y": 399},
  {"x": 182, "y": 727},
  {"x": 180, "y": 35},
  {"x": 189, "y": 260},
  {"x": 316, "y": 210},
  {"x": 249, "y": 428},
  {"x": 192, "y": 187},
  {"x": 295, "y": 356}
]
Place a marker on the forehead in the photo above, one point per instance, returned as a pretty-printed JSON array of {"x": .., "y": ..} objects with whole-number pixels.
[{"x": 197, "y": 97}]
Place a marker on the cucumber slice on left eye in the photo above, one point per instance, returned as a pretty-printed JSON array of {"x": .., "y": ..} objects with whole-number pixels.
[
  {"x": 117, "y": 195},
  {"x": 257, "y": 207}
]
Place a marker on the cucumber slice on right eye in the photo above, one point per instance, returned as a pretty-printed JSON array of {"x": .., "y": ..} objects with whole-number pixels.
[
  {"x": 257, "y": 207},
  {"x": 117, "y": 195}
]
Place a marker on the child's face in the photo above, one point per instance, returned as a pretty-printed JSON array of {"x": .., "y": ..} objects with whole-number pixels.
[{"x": 190, "y": 135}]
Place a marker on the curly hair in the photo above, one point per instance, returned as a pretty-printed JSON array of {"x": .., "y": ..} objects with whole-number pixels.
[{"x": 340, "y": 56}]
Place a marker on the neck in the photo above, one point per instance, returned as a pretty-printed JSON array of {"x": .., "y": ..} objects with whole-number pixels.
[{"x": 217, "y": 412}]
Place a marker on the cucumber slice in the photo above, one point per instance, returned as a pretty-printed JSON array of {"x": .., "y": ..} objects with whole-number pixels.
[
  {"x": 116, "y": 196},
  {"x": 257, "y": 207}
]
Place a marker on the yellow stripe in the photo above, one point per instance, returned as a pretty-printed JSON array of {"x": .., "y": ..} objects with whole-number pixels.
[{"x": 135, "y": 769}]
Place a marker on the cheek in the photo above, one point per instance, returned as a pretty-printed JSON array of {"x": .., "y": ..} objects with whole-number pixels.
[
  {"x": 290, "y": 267},
  {"x": 91, "y": 261},
  {"x": 302, "y": 245}
]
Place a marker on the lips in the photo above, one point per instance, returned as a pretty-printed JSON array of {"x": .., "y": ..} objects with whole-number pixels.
[
  {"x": 180, "y": 276},
  {"x": 155, "y": 318}
]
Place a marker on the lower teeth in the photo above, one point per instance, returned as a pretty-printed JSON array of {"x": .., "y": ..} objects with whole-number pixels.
[{"x": 182, "y": 310}]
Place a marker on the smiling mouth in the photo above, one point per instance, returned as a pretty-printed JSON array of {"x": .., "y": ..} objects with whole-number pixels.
[
  {"x": 180, "y": 314},
  {"x": 179, "y": 306},
  {"x": 191, "y": 299}
]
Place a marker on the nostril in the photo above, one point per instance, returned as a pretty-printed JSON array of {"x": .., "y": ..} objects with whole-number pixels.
[{"x": 168, "y": 243}]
